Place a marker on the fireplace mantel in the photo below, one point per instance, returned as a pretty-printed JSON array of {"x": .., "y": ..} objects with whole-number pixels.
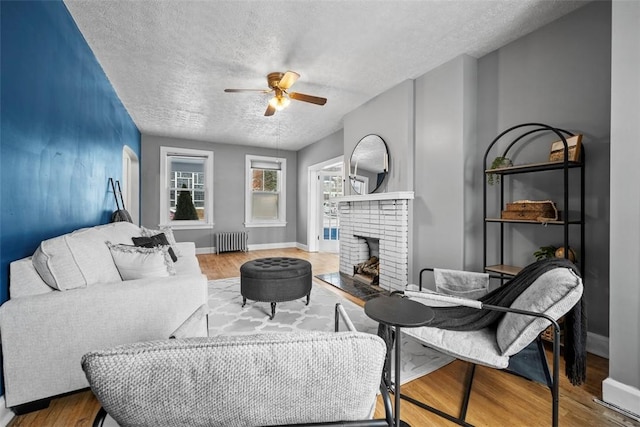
[{"x": 396, "y": 195}]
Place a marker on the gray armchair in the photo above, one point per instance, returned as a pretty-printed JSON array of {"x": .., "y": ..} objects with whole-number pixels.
[
  {"x": 256, "y": 380},
  {"x": 546, "y": 291}
]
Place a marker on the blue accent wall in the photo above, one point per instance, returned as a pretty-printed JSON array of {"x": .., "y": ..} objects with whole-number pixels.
[{"x": 63, "y": 131}]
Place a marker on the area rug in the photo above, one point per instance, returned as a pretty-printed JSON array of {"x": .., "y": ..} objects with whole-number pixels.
[{"x": 227, "y": 316}]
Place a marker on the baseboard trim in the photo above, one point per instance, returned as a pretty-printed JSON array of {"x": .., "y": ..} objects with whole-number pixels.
[
  {"x": 256, "y": 247},
  {"x": 302, "y": 247},
  {"x": 622, "y": 397},
  {"x": 598, "y": 345},
  {"x": 262, "y": 246},
  {"x": 6, "y": 414},
  {"x": 617, "y": 409},
  {"x": 206, "y": 250}
]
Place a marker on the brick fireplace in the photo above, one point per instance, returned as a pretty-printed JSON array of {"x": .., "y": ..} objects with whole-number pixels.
[{"x": 383, "y": 216}]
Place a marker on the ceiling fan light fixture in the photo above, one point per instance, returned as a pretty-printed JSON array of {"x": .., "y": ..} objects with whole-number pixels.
[{"x": 279, "y": 102}]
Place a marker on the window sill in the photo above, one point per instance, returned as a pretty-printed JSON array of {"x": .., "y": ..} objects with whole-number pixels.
[
  {"x": 264, "y": 224},
  {"x": 188, "y": 226}
]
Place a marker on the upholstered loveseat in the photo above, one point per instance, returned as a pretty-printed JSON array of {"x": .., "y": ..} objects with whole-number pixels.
[{"x": 70, "y": 298}]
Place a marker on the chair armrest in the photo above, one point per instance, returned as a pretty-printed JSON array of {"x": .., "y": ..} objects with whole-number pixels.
[
  {"x": 342, "y": 314},
  {"x": 442, "y": 298},
  {"x": 454, "y": 300}
]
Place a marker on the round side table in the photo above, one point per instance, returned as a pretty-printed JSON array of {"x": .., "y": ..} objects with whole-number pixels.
[{"x": 399, "y": 313}]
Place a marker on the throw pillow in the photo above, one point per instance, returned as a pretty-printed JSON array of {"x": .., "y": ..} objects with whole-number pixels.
[
  {"x": 135, "y": 262},
  {"x": 153, "y": 241},
  {"x": 553, "y": 293},
  {"x": 168, "y": 232}
]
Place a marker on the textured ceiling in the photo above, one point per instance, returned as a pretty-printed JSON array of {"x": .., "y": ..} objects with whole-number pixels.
[{"x": 170, "y": 61}]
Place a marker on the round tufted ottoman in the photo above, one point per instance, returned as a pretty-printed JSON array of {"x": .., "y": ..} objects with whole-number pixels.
[{"x": 275, "y": 280}]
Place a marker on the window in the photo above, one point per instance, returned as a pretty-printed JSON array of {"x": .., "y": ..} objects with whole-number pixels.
[
  {"x": 186, "y": 189},
  {"x": 265, "y": 191}
]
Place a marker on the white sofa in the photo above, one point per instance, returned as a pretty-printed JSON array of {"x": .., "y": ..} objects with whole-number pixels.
[{"x": 69, "y": 299}]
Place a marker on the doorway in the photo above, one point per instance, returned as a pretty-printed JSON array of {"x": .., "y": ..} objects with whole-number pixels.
[
  {"x": 131, "y": 183},
  {"x": 326, "y": 181}
]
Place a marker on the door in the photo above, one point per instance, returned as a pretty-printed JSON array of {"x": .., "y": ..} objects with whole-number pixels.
[
  {"x": 131, "y": 183},
  {"x": 331, "y": 185}
]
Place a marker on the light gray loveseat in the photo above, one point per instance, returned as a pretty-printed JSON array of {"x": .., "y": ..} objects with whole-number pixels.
[{"x": 69, "y": 299}]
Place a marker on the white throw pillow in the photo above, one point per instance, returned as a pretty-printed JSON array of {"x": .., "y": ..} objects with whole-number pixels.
[
  {"x": 168, "y": 232},
  {"x": 135, "y": 262},
  {"x": 553, "y": 293}
]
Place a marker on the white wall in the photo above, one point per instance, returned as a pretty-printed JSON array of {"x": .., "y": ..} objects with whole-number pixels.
[{"x": 622, "y": 387}]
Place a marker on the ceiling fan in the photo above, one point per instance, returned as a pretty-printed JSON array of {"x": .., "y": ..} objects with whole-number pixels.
[{"x": 279, "y": 83}]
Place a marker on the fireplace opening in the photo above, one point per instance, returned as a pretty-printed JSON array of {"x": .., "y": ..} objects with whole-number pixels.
[{"x": 368, "y": 271}]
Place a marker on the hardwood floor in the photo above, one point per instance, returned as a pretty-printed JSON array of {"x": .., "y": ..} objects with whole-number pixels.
[{"x": 498, "y": 399}]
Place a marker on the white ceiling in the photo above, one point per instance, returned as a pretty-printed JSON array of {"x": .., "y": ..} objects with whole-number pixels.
[{"x": 170, "y": 61}]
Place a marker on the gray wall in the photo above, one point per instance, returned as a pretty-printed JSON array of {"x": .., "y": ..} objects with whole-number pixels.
[
  {"x": 389, "y": 115},
  {"x": 229, "y": 193},
  {"x": 327, "y": 148},
  {"x": 559, "y": 75},
  {"x": 445, "y": 139},
  {"x": 622, "y": 388}
]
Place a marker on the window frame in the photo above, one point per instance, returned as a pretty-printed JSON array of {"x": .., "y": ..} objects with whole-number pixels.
[
  {"x": 281, "y": 221},
  {"x": 166, "y": 153}
]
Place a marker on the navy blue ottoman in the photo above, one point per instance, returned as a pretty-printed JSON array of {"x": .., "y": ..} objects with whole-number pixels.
[{"x": 275, "y": 280}]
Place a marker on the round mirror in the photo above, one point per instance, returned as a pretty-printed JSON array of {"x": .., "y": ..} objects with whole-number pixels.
[{"x": 369, "y": 165}]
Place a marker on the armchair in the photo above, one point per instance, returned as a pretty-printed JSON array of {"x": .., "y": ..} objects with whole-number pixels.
[
  {"x": 257, "y": 380},
  {"x": 508, "y": 335}
]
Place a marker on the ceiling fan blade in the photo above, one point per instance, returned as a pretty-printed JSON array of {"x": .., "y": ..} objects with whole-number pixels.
[
  {"x": 248, "y": 90},
  {"x": 308, "y": 98},
  {"x": 270, "y": 110},
  {"x": 288, "y": 80}
]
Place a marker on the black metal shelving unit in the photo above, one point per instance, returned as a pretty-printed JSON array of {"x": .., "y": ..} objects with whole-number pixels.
[{"x": 518, "y": 134}]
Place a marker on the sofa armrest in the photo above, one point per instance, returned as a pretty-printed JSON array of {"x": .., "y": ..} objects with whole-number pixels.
[
  {"x": 25, "y": 280},
  {"x": 193, "y": 326},
  {"x": 44, "y": 336}
]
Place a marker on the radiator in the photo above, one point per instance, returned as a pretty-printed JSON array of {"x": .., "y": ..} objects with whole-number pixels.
[{"x": 232, "y": 241}]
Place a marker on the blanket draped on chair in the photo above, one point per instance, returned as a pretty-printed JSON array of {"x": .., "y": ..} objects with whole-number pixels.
[{"x": 461, "y": 318}]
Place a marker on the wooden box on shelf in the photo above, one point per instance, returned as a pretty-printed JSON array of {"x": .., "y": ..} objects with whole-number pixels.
[
  {"x": 530, "y": 210},
  {"x": 574, "y": 143}
]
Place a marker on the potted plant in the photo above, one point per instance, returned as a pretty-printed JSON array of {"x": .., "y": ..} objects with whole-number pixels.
[
  {"x": 551, "y": 251},
  {"x": 545, "y": 252},
  {"x": 498, "y": 163}
]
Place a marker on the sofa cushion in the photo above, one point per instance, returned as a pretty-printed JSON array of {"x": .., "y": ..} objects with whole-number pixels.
[
  {"x": 553, "y": 293},
  {"x": 135, "y": 262},
  {"x": 81, "y": 258},
  {"x": 153, "y": 241},
  {"x": 168, "y": 232}
]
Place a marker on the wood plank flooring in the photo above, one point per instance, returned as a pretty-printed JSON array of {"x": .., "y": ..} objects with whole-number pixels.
[{"x": 498, "y": 399}]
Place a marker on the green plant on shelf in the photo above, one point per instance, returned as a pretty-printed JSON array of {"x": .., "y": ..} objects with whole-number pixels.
[
  {"x": 498, "y": 163},
  {"x": 551, "y": 251},
  {"x": 545, "y": 252}
]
